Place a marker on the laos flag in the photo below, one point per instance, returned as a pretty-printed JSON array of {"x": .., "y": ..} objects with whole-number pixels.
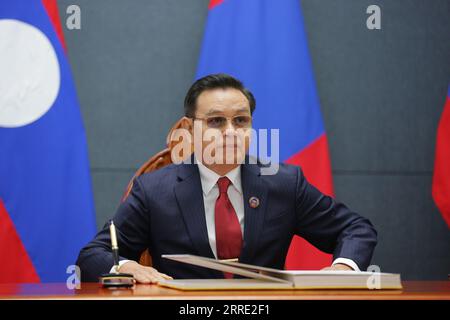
[
  {"x": 46, "y": 204},
  {"x": 263, "y": 43}
]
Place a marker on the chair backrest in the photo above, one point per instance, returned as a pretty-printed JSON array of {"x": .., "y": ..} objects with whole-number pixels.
[{"x": 159, "y": 160}]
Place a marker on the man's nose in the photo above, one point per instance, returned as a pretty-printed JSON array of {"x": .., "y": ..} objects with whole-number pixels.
[{"x": 229, "y": 127}]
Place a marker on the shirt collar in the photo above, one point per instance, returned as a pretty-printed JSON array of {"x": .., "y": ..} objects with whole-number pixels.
[{"x": 209, "y": 178}]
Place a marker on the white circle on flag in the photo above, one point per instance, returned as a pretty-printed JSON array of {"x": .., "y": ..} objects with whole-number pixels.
[{"x": 29, "y": 73}]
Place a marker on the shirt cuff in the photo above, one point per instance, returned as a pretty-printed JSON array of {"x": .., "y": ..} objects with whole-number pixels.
[
  {"x": 121, "y": 262},
  {"x": 348, "y": 262}
]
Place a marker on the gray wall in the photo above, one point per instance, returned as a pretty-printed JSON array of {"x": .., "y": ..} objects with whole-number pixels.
[{"x": 381, "y": 95}]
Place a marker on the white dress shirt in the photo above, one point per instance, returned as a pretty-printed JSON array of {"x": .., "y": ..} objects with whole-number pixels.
[{"x": 210, "y": 190}]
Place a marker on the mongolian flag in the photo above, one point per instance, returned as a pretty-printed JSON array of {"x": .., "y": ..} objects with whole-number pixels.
[{"x": 264, "y": 44}]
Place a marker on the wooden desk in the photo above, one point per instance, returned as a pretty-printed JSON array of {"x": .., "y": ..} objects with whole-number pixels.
[{"x": 413, "y": 290}]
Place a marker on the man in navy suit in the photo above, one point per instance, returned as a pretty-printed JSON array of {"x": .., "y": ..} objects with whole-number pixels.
[{"x": 225, "y": 209}]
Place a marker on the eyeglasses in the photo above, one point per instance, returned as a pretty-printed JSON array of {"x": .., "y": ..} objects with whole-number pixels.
[{"x": 220, "y": 122}]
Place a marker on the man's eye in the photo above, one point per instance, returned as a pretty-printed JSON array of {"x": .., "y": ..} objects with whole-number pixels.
[
  {"x": 215, "y": 121},
  {"x": 242, "y": 120}
]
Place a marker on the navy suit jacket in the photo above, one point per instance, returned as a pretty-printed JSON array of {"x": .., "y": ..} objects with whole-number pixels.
[{"x": 165, "y": 213}]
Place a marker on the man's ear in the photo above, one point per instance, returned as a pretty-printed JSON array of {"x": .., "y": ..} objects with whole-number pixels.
[
  {"x": 172, "y": 139},
  {"x": 187, "y": 123}
]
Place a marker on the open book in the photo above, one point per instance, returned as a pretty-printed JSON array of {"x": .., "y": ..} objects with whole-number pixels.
[{"x": 268, "y": 278}]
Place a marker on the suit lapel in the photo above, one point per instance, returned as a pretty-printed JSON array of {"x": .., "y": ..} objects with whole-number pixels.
[
  {"x": 252, "y": 186},
  {"x": 189, "y": 195}
]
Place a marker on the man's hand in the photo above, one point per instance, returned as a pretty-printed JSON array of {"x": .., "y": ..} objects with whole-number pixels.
[
  {"x": 143, "y": 274},
  {"x": 338, "y": 267}
]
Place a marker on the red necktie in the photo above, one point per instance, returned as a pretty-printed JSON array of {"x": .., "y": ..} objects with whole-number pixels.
[{"x": 228, "y": 229}]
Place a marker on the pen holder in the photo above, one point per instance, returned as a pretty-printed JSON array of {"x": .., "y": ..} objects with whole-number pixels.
[{"x": 117, "y": 280}]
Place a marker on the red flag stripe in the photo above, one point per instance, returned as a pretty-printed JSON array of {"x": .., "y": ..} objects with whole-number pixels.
[
  {"x": 315, "y": 163},
  {"x": 52, "y": 10},
  {"x": 214, "y": 3},
  {"x": 441, "y": 175},
  {"x": 16, "y": 264}
]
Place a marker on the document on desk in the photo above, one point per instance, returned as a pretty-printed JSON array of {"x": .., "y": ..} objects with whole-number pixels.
[{"x": 260, "y": 278}]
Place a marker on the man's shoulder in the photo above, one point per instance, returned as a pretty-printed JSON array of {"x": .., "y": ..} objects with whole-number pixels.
[
  {"x": 275, "y": 169},
  {"x": 274, "y": 175},
  {"x": 163, "y": 175}
]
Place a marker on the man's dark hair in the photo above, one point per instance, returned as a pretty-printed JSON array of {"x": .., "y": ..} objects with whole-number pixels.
[{"x": 214, "y": 81}]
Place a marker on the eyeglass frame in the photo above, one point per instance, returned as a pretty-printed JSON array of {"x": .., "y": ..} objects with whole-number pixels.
[{"x": 228, "y": 119}]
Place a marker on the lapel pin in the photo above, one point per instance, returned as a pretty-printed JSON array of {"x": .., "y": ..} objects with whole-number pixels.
[{"x": 254, "y": 202}]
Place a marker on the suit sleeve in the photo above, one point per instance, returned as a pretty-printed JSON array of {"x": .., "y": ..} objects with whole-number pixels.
[
  {"x": 330, "y": 226},
  {"x": 132, "y": 223}
]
